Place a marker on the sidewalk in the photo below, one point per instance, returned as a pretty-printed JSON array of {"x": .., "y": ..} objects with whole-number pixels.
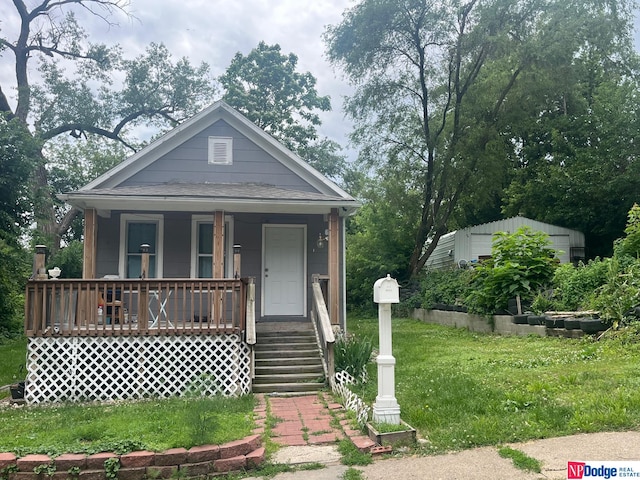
[
  {"x": 307, "y": 420},
  {"x": 306, "y": 434}
]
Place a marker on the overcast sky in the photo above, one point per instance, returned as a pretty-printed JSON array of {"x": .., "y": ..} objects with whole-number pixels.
[{"x": 214, "y": 30}]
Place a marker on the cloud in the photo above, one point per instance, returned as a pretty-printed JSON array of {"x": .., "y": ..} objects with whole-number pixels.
[{"x": 212, "y": 31}]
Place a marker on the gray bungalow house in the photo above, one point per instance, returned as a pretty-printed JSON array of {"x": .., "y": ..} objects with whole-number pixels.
[{"x": 190, "y": 246}]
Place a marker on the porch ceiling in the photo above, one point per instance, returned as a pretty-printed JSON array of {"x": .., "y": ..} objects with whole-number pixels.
[{"x": 205, "y": 197}]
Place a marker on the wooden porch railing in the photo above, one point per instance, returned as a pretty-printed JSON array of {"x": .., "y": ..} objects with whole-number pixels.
[
  {"x": 320, "y": 317},
  {"x": 135, "y": 307}
]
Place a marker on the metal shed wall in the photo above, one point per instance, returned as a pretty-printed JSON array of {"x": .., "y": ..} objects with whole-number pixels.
[{"x": 472, "y": 242}]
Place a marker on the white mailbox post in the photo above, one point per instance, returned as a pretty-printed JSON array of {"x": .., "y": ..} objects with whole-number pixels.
[{"x": 386, "y": 409}]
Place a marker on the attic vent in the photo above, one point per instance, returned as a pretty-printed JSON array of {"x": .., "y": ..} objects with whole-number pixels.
[{"x": 220, "y": 150}]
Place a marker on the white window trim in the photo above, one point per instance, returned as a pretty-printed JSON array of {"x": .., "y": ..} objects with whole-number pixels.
[
  {"x": 214, "y": 159},
  {"x": 158, "y": 219},
  {"x": 195, "y": 219}
]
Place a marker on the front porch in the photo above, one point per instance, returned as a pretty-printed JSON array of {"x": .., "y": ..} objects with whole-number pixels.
[
  {"x": 136, "y": 307},
  {"x": 109, "y": 339}
]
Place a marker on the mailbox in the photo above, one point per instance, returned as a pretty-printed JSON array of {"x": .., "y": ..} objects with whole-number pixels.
[{"x": 386, "y": 290}]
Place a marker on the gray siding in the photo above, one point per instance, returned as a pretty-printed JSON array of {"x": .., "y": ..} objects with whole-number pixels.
[
  {"x": 108, "y": 246},
  {"x": 247, "y": 233},
  {"x": 188, "y": 163}
]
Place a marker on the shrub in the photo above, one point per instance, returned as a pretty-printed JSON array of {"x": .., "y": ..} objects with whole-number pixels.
[
  {"x": 630, "y": 244},
  {"x": 351, "y": 355},
  {"x": 521, "y": 264},
  {"x": 13, "y": 275},
  {"x": 574, "y": 286},
  {"x": 447, "y": 286},
  {"x": 69, "y": 260},
  {"x": 617, "y": 298}
]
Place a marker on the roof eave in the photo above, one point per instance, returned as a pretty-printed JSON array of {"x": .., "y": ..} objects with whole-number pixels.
[{"x": 208, "y": 204}]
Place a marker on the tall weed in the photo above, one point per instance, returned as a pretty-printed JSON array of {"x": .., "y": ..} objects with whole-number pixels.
[{"x": 351, "y": 355}]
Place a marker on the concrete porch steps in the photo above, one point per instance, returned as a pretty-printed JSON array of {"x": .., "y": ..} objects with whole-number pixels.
[{"x": 287, "y": 358}]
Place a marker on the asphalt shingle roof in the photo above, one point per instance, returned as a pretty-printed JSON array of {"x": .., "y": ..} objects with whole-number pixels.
[{"x": 253, "y": 191}]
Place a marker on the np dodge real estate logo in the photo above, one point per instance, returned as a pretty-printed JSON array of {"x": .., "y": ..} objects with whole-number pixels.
[{"x": 603, "y": 470}]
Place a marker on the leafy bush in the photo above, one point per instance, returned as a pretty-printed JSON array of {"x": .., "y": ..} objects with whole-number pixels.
[
  {"x": 13, "y": 275},
  {"x": 630, "y": 244},
  {"x": 447, "y": 286},
  {"x": 616, "y": 299},
  {"x": 574, "y": 286},
  {"x": 351, "y": 355},
  {"x": 69, "y": 260},
  {"x": 521, "y": 264}
]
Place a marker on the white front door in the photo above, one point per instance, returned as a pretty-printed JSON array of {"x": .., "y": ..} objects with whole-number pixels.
[{"x": 283, "y": 270}]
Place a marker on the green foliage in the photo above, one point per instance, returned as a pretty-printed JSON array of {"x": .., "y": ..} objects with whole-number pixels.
[
  {"x": 123, "y": 426},
  {"x": 630, "y": 244},
  {"x": 351, "y": 455},
  {"x": 469, "y": 100},
  {"x": 352, "y": 474},
  {"x": 13, "y": 355},
  {"x": 69, "y": 260},
  {"x": 200, "y": 421},
  {"x": 352, "y": 354},
  {"x": 520, "y": 459},
  {"x": 462, "y": 389},
  {"x": 521, "y": 264},
  {"x": 16, "y": 267},
  {"x": 380, "y": 236},
  {"x": 6, "y": 471},
  {"x": 46, "y": 469},
  {"x": 111, "y": 467},
  {"x": 574, "y": 285},
  {"x": 570, "y": 173},
  {"x": 447, "y": 286},
  {"x": 79, "y": 97},
  {"x": 265, "y": 86},
  {"x": 17, "y": 160},
  {"x": 616, "y": 298}
]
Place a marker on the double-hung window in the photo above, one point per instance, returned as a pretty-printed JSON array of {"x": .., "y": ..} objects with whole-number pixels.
[
  {"x": 136, "y": 230},
  {"x": 202, "y": 246}
]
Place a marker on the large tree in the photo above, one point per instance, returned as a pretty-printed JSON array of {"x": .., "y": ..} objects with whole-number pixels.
[
  {"x": 48, "y": 44},
  {"x": 267, "y": 88},
  {"x": 16, "y": 150},
  {"x": 433, "y": 81},
  {"x": 579, "y": 165}
]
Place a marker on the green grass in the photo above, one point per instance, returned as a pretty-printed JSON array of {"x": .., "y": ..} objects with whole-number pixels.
[
  {"x": 462, "y": 390},
  {"x": 521, "y": 460},
  {"x": 351, "y": 455},
  {"x": 352, "y": 474},
  {"x": 13, "y": 353},
  {"x": 156, "y": 425}
]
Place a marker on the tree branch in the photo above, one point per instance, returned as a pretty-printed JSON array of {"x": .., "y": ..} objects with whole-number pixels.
[{"x": 74, "y": 128}]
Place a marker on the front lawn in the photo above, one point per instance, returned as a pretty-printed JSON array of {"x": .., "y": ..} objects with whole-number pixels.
[
  {"x": 122, "y": 427},
  {"x": 461, "y": 389},
  {"x": 13, "y": 353}
]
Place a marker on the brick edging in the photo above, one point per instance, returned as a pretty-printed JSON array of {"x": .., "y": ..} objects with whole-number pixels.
[{"x": 242, "y": 454}]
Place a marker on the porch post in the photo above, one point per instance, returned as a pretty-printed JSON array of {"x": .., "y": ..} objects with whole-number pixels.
[
  {"x": 236, "y": 261},
  {"x": 218, "y": 244},
  {"x": 218, "y": 263},
  {"x": 334, "y": 267},
  {"x": 143, "y": 298},
  {"x": 90, "y": 243},
  {"x": 39, "y": 270}
]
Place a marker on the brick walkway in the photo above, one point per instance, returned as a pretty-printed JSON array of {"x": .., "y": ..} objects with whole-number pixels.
[{"x": 307, "y": 420}]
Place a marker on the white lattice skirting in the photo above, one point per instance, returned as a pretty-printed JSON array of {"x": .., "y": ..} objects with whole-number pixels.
[{"x": 90, "y": 368}]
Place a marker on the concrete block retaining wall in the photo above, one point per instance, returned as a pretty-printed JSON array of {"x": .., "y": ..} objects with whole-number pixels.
[
  {"x": 502, "y": 324},
  {"x": 195, "y": 462}
]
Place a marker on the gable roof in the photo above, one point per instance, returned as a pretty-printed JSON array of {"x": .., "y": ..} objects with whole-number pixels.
[{"x": 108, "y": 190}]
